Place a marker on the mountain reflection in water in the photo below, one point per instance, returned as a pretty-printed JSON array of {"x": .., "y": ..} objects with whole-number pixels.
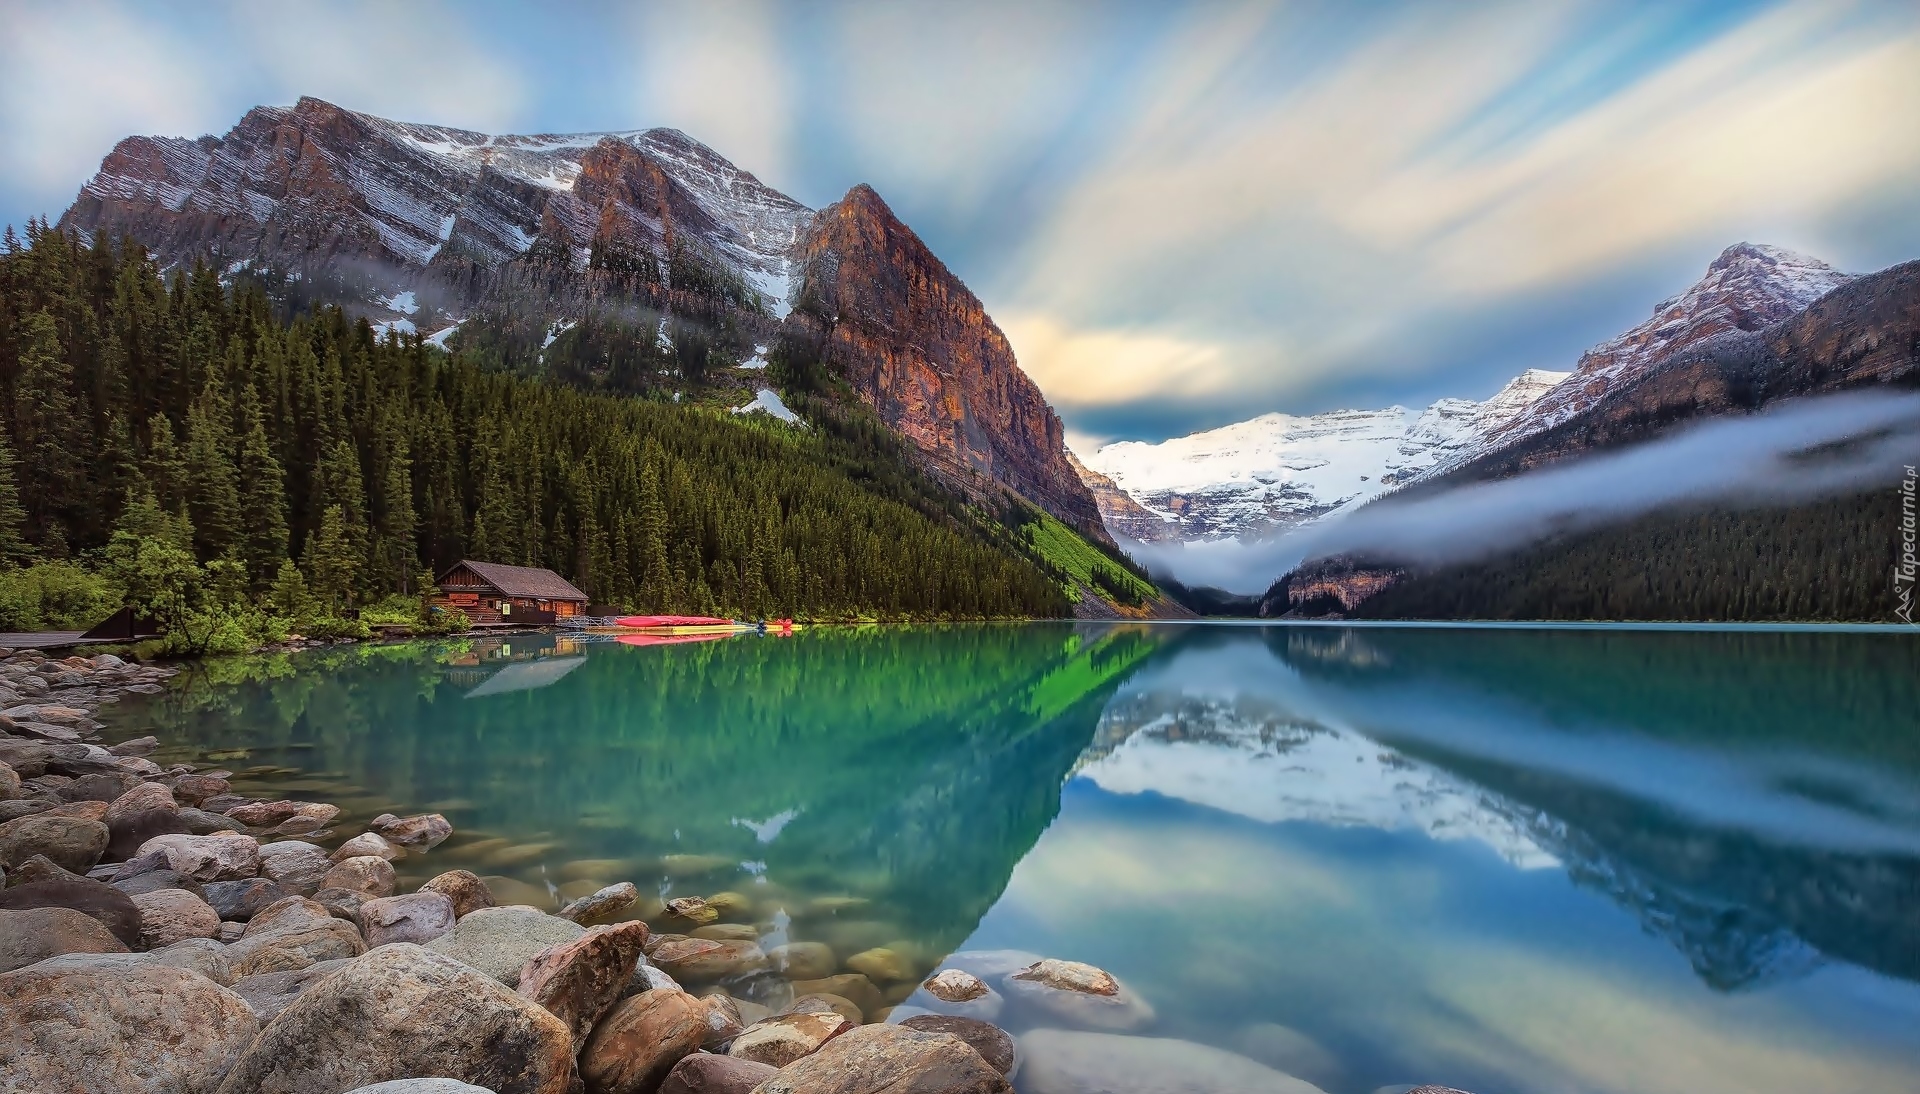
[{"x": 1509, "y": 860}]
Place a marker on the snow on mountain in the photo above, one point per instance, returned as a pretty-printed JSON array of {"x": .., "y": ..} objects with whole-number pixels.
[
  {"x": 1750, "y": 286},
  {"x": 1280, "y": 470}
]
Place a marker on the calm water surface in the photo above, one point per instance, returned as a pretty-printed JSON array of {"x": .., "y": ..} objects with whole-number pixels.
[{"x": 1510, "y": 861}]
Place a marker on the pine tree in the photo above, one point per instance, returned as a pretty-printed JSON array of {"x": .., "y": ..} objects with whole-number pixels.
[
  {"x": 213, "y": 488},
  {"x": 263, "y": 499},
  {"x": 14, "y": 548},
  {"x": 333, "y": 563},
  {"x": 49, "y": 434}
]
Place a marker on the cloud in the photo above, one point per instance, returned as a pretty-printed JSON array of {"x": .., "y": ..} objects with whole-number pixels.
[
  {"x": 716, "y": 69},
  {"x": 1791, "y": 452}
]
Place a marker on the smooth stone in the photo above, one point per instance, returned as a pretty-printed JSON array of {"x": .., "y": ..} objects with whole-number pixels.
[
  {"x": 309, "y": 818},
  {"x": 35, "y": 934},
  {"x": 820, "y": 1001},
  {"x": 421, "y": 832},
  {"x": 9, "y": 782},
  {"x": 602, "y": 905},
  {"x": 580, "y": 980},
  {"x": 366, "y": 843},
  {"x": 222, "y": 856},
  {"x": 956, "y": 986},
  {"x": 784, "y": 1038},
  {"x": 1288, "y": 1050},
  {"x": 499, "y": 941},
  {"x": 201, "y": 955},
  {"x": 71, "y": 843},
  {"x": 724, "y": 1020},
  {"x": 40, "y": 868},
  {"x": 803, "y": 960},
  {"x": 647, "y": 977},
  {"x": 202, "y": 823},
  {"x": 370, "y": 875},
  {"x": 293, "y": 934},
  {"x": 423, "y": 1087},
  {"x": 259, "y": 814},
  {"x": 1058, "y": 1061},
  {"x": 194, "y": 790},
  {"x": 994, "y": 1044},
  {"x": 847, "y": 985},
  {"x": 706, "y": 1073},
  {"x": 730, "y": 905},
  {"x": 403, "y": 1011},
  {"x": 100, "y": 786},
  {"x": 159, "y": 879},
  {"x": 693, "y": 909},
  {"x": 895, "y": 1059},
  {"x": 80, "y": 810},
  {"x": 128, "y": 833},
  {"x": 269, "y": 993},
  {"x": 727, "y": 932},
  {"x": 138, "y": 746},
  {"x": 172, "y": 915},
  {"x": 140, "y": 799},
  {"x": 464, "y": 888},
  {"x": 416, "y": 917},
  {"x": 633, "y": 1048},
  {"x": 121, "y": 1030},
  {"x": 115, "y": 910},
  {"x": 240, "y": 899},
  {"x": 882, "y": 965},
  {"x": 722, "y": 960},
  {"x": 341, "y": 903},
  {"x": 1079, "y": 995},
  {"x": 294, "y": 865},
  {"x": 22, "y": 807}
]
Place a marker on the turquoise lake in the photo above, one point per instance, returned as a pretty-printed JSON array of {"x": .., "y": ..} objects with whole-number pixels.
[{"x": 1513, "y": 861}]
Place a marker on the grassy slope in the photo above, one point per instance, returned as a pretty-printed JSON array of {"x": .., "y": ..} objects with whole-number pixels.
[{"x": 1067, "y": 551}]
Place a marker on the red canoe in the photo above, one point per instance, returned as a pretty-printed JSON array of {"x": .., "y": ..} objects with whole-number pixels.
[{"x": 672, "y": 621}]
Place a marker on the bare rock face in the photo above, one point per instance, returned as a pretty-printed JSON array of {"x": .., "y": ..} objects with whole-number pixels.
[
  {"x": 403, "y": 1011},
  {"x": 422, "y": 832},
  {"x": 784, "y": 1038},
  {"x": 634, "y": 1047},
  {"x": 706, "y": 1073},
  {"x": 1119, "y": 511},
  {"x": 579, "y": 980},
  {"x": 891, "y": 1058},
  {"x": 122, "y": 1030},
  {"x": 113, "y": 908},
  {"x": 920, "y": 348},
  {"x": 464, "y": 888},
  {"x": 416, "y": 917},
  {"x": 173, "y": 915},
  {"x": 36, "y": 934}
]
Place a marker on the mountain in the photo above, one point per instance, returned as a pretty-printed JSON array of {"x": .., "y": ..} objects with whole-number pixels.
[
  {"x": 669, "y": 260},
  {"x": 922, "y": 351},
  {"x": 1273, "y": 472}
]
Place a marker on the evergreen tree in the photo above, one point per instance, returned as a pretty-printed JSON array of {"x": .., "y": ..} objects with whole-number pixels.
[
  {"x": 213, "y": 489},
  {"x": 263, "y": 499},
  {"x": 49, "y": 434},
  {"x": 333, "y": 564},
  {"x": 13, "y": 545}
]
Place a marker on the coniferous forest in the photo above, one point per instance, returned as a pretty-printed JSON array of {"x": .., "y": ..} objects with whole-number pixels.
[{"x": 304, "y": 465}]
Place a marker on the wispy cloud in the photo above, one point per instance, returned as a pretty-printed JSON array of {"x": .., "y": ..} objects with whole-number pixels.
[{"x": 717, "y": 70}]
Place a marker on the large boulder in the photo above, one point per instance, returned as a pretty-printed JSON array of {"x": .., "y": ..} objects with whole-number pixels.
[
  {"x": 140, "y": 799},
  {"x": 416, "y": 917},
  {"x": 294, "y": 865},
  {"x": 784, "y": 1038},
  {"x": 269, "y": 993},
  {"x": 602, "y": 905},
  {"x": 422, "y": 1086},
  {"x": 421, "y": 832},
  {"x": 238, "y": 900},
  {"x": 579, "y": 981},
  {"x": 173, "y": 915},
  {"x": 700, "y": 960},
  {"x": 202, "y": 823},
  {"x": 221, "y": 856},
  {"x": 99, "y": 786},
  {"x": 883, "y": 965},
  {"x": 9, "y": 783},
  {"x": 72, "y": 843},
  {"x": 126, "y": 1030},
  {"x": 403, "y": 1011},
  {"x": 258, "y": 814},
  {"x": 499, "y": 941},
  {"x": 293, "y": 934},
  {"x": 464, "y": 888},
  {"x": 706, "y": 1073},
  {"x": 158, "y": 879},
  {"x": 366, "y": 843},
  {"x": 369, "y": 875},
  {"x": 201, "y": 955},
  {"x": 638, "y": 1043},
  {"x": 1059, "y": 1061},
  {"x": 35, "y": 934},
  {"x": 113, "y": 908},
  {"x": 994, "y": 1044},
  {"x": 1077, "y": 994},
  {"x": 895, "y": 1059},
  {"x": 129, "y": 832}
]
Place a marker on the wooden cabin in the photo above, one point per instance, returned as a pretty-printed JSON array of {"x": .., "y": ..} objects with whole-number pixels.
[{"x": 489, "y": 592}]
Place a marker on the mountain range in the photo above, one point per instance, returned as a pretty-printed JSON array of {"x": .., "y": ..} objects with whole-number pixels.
[
  {"x": 1265, "y": 475},
  {"x": 466, "y": 235}
]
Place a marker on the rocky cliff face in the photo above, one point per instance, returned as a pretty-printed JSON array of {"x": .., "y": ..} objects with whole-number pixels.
[
  {"x": 1122, "y": 515},
  {"x": 922, "y": 351}
]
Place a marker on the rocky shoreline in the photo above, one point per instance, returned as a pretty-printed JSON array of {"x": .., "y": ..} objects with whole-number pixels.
[{"x": 159, "y": 932}]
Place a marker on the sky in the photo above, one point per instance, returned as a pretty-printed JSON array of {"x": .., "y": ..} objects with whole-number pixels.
[{"x": 1182, "y": 215}]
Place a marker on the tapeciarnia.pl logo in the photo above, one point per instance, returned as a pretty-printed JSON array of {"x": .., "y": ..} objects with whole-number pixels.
[{"x": 1905, "y": 565}]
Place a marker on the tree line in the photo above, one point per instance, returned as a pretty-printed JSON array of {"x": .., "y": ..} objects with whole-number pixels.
[{"x": 304, "y": 456}]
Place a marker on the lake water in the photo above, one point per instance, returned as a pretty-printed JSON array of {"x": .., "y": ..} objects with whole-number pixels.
[{"x": 1505, "y": 860}]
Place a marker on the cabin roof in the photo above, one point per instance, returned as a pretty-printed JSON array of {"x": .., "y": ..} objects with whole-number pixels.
[{"x": 523, "y": 581}]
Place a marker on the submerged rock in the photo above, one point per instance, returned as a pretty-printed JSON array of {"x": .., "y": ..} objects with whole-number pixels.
[
  {"x": 602, "y": 905},
  {"x": 402, "y": 1011},
  {"x": 1079, "y": 994},
  {"x": 421, "y": 832},
  {"x": 895, "y": 1059},
  {"x": 1058, "y": 1061},
  {"x": 847, "y": 985},
  {"x": 121, "y": 1030},
  {"x": 803, "y": 960},
  {"x": 882, "y": 965},
  {"x": 634, "y": 1047}
]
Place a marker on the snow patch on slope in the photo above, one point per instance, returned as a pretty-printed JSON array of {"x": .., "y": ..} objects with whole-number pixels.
[{"x": 767, "y": 400}]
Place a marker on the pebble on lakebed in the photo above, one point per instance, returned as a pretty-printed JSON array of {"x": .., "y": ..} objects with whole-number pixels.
[{"x": 194, "y": 939}]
